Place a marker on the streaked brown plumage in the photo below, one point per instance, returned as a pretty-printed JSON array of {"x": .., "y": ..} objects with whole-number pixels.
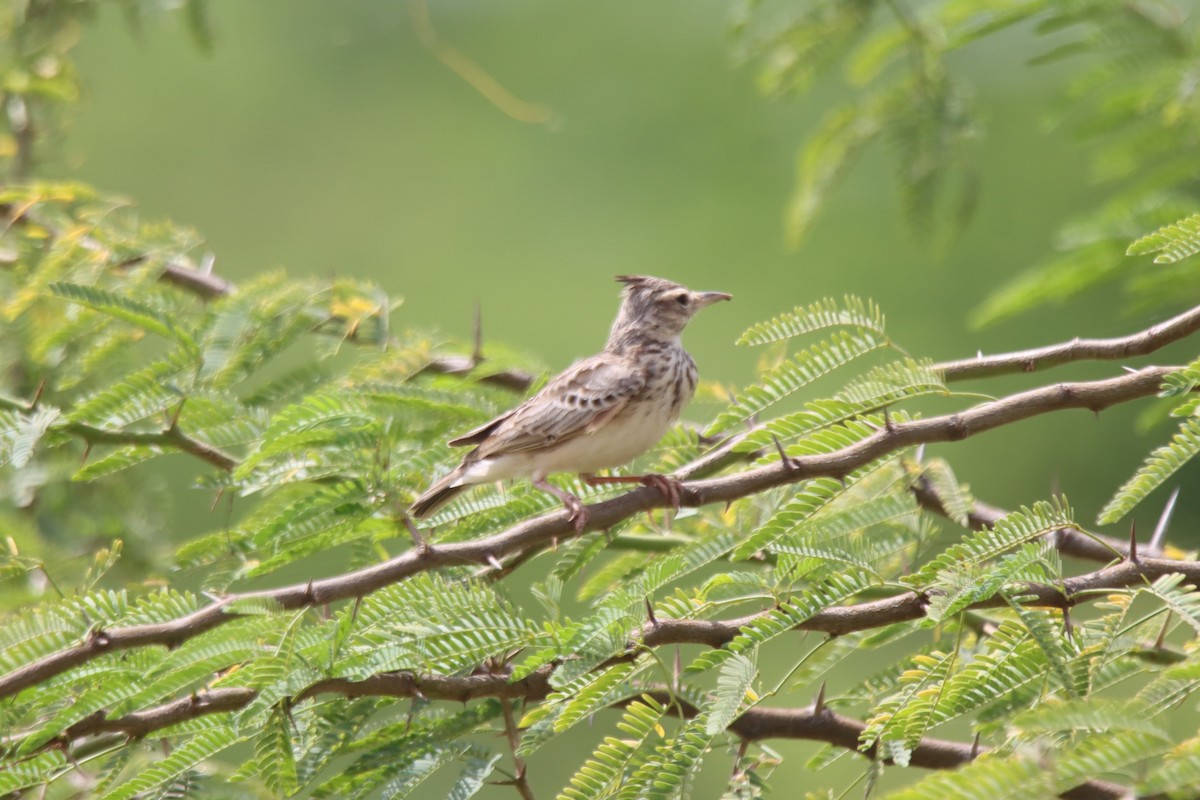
[{"x": 602, "y": 412}]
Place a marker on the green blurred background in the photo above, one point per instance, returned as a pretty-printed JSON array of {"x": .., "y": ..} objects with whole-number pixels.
[{"x": 324, "y": 139}]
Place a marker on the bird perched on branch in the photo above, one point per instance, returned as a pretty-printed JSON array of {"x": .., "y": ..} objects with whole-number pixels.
[{"x": 602, "y": 412}]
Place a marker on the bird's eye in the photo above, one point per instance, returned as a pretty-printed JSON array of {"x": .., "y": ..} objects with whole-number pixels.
[{"x": 682, "y": 299}]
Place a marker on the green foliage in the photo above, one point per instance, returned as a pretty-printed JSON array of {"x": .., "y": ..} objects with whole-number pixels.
[
  {"x": 965, "y": 574},
  {"x": 1173, "y": 242},
  {"x": 733, "y": 685},
  {"x": 851, "y": 313},
  {"x": 795, "y": 373},
  {"x": 790, "y": 614},
  {"x": 603, "y": 774},
  {"x": 986, "y": 778},
  {"x": 435, "y": 662},
  {"x": 1128, "y": 104},
  {"x": 901, "y": 720},
  {"x": 1162, "y": 463},
  {"x": 186, "y": 755}
]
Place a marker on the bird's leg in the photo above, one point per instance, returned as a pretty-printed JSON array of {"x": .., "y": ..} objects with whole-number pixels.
[
  {"x": 671, "y": 489},
  {"x": 579, "y": 514}
]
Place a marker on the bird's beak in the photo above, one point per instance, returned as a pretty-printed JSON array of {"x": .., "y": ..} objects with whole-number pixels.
[{"x": 708, "y": 298}]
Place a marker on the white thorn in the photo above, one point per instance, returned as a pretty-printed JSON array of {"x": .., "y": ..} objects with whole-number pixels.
[{"x": 1164, "y": 519}]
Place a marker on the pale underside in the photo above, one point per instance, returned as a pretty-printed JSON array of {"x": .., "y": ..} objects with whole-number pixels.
[{"x": 602, "y": 413}]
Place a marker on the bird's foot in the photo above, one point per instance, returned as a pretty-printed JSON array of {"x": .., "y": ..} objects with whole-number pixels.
[
  {"x": 579, "y": 516},
  {"x": 578, "y": 511},
  {"x": 672, "y": 490}
]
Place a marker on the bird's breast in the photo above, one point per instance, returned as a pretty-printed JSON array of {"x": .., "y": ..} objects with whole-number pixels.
[{"x": 641, "y": 424}]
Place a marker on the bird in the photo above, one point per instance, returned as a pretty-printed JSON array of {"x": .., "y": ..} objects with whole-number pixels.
[{"x": 600, "y": 413}]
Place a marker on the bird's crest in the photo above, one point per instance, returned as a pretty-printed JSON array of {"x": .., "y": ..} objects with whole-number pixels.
[{"x": 636, "y": 282}]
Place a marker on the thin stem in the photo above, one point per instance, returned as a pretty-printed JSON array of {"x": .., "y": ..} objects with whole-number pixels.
[
  {"x": 1137, "y": 344},
  {"x": 519, "y": 782}
]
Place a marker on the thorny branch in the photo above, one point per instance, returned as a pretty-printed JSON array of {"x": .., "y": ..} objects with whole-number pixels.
[
  {"x": 715, "y": 633},
  {"x": 520, "y": 781},
  {"x": 1137, "y": 344},
  {"x": 814, "y": 723},
  {"x": 542, "y": 531}
]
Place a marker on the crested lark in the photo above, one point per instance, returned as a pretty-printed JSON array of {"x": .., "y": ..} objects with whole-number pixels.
[{"x": 602, "y": 412}]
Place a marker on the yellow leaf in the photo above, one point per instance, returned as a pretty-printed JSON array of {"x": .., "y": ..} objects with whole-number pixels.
[{"x": 353, "y": 308}]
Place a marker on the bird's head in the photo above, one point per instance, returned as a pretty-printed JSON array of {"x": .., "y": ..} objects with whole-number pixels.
[{"x": 653, "y": 308}]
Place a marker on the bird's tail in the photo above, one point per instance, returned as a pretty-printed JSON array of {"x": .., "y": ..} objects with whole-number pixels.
[{"x": 437, "y": 495}]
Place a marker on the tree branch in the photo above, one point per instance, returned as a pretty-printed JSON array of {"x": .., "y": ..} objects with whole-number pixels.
[
  {"x": 810, "y": 723},
  {"x": 1137, "y": 344},
  {"x": 520, "y": 781},
  {"x": 172, "y": 437},
  {"x": 1068, "y": 541},
  {"x": 540, "y": 532}
]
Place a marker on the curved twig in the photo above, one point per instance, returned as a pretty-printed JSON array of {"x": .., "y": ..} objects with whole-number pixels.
[
  {"x": 171, "y": 437},
  {"x": 1137, "y": 344}
]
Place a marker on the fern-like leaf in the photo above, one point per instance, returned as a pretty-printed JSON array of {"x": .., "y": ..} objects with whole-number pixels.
[
  {"x": 1010, "y": 661},
  {"x": 473, "y": 777},
  {"x": 117, "y": 460},
  {"x": 879, "y": 388},
  {"x": 1173, "y": 242},
  {"x": 39, "y": 769},
  {"x": 20, "y": 434},
  {"x": 667, "y": 773},
  {"x": 1094, "y": 715},
  {"x": 1183, "y": 600},
  {"x": 889, "y": 383},
  {"x": 989, "y": 777},
  {"x": 1106, "y": 752},
  {"x": 1178, "y": 775},
  {"x": 825, "y": 159},
  {"x": 587, "y": 695},
  {"x": 1181, "y": 382},
  {"x": 603, "y": 774},
  {"x": 805, "y": 506},
  {"x": 853, "y": 312},
  {"x": 955, "y": 498},
  {"x": 1164, "y": 462},
  {"x": 1015, "y": 529},
  {"x": 409, "y": 777},
  {"x": 899, "y": 722},
  {"x": 126, "y": 309},
  {"x": 733, "y": 687},
  {"x": 1061, "y": 652},
  {"x": 789, "y": 615},
  {"x": 797, "y": 372},
  {"x": 184, "y": 757},
  {"x": 140, "y": 395}
]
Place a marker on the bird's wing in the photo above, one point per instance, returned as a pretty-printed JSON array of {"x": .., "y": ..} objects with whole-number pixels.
[
  {"x": 579, "y": 401},
  {"x": 477, "y": 435}
]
